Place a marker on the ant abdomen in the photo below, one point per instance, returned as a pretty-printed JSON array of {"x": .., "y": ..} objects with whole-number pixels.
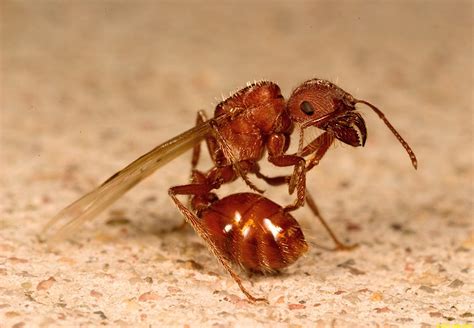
[{"x": 254, "y": 232}]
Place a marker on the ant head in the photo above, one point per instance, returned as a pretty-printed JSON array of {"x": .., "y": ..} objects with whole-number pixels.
[
  {"x": 317, "y": 100},
  {"x": 322, "y": 104}
]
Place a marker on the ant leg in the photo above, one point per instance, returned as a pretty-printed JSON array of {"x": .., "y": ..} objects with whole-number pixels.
[
  {"x": 211, "y": 142},
  {"x": 200, "y": 118},
  {"x": 193, "y": 220},
  {"x": 280, "y": 180},
  {"x": 211, "y": 146},
  {"x": 318, "y": 147},
  {"x": 297, "y": 180},
  {"x": 314, "y": 208},
  {"x": 273, "y": 181}
]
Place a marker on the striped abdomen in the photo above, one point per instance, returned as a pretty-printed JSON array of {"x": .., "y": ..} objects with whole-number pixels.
[{"x": 254, "y": 232}]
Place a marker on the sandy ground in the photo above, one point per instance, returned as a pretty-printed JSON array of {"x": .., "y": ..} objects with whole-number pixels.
[{"x": 88, "y": 86}]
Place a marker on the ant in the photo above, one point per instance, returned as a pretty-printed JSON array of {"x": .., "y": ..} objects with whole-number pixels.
[{"x": 245, "y": 229}]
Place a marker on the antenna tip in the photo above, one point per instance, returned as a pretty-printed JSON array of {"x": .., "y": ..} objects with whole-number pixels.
[{"x": 414, "y": 160}]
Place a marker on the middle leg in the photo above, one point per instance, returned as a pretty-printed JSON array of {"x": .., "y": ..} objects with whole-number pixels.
[{"x": 284, "y": 179}]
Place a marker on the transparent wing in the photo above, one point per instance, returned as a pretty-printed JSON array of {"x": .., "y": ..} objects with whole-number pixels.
[{"x": 91, "y": 204}]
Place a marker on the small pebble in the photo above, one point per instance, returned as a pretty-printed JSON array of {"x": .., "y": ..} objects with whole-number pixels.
[
  {"x": 135, "y": 280},
  {"x": 356, "y": 271},
  {"x": 6, "y": 248},
  {"x": 15, "y": 260},
  {"x": 409, "y": 267},
  {"x": 46, "y": 284},
  {"x": 67, "y": 260},
  {"x": 174, "y": 290},
  {"x": 469, "y": 242},
  {"x": 191, "y": 264},
  {"x": 149, "y": 296},
  {"x": 148, "y": 280},
  {"x": 352, "y": 297},
  {"x": 233, "y": 299},
  {"x": 19, "y": 325},
  {"x": 347, "y": 263},
  {"x": 11, "y": 314},
  {"x": 396, "y": 226},
  {"x": 101, "y": 314},
  {"x": 117, "y": 212},
  {"x": 456, "y": 283},
  {"x": 119, "y": 221},
  {"x": 382, "y": 310},
  {"x": 296, "y": 306},
  {"x": 353, "y": 227},
  {"x": 96, "y": 294},
  {"x": 427, "y": 289},
  {"x": 376, "y": 297},
  {"x": 430, "y": 279},
  {"x": 132, "y": 305},
  {"x": 26, "y": 285}
]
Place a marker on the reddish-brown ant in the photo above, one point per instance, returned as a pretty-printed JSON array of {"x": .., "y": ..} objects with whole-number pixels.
[{"x": 246, "y": 229}]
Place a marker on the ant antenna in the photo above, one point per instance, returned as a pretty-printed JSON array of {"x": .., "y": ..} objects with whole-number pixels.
[{"x": 405, "y": 145}]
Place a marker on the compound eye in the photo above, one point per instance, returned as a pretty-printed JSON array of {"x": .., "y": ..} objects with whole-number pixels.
[{"x": 307, "y": 108}]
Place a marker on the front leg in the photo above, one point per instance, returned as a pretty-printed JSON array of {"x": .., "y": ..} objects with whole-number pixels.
[
  {"x": 281, "y": 180},
  {"x": 276, "y": 145},
  {"x": 318, "y": 148}
]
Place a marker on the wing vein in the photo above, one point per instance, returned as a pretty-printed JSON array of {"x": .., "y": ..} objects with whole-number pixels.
[{"x": 93, "y": 203}]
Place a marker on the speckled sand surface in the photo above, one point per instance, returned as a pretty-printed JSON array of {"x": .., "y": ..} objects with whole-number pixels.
[{"x": 88, "y": 86}]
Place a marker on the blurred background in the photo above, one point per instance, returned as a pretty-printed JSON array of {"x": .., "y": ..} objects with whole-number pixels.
[{"x": 88, "y": 86}]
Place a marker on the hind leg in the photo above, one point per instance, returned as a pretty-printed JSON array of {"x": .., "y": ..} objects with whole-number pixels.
[
  {"x": 201, "y": 117},
  {"x": 211, "y": 142},
  {"x": 314, "y": 208},
  {"x": 201, "y": 190}
]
